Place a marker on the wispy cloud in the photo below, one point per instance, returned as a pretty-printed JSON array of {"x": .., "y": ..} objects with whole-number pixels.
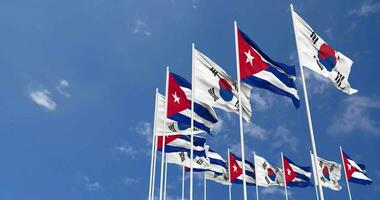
[
  {"x": 262, "y": 100},
  {"x": 41, "y": 97},
  {"x": 130, "y": 180},
  {"x": 61, "y": 86},
  {"x": 366, "y": 8},
  {"x": 283, "y": 137},
  {"x": 91, "y": 186},
  {"x": 141, "y": 27},
  {"x": 269, "y": 191},
  {"x": 355, "y": 114},
  {"x": 317, "y": 83},
  {"x": 127, "y": 149},
  {"x": 256, "y": 131},
  {"x": 145, "y": 129}
]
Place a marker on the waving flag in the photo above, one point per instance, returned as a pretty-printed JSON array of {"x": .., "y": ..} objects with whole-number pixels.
[
  {"x": 236, "y": 171},
  {"x": 218, "y": 167},
  {"x": 329, "y": 173},
  {"x": 320, "y": 57},
  {"x": 266, "y": 174},
  {"x": 217, "y": 89},
  {"x": 178, "y": 149},
  {"x": 355, "y": 173},
  {"x": 179, "y": 106},
  {"x": 296, "y": 176},
  {"x": 258, "y": 70},
  {"x": 172, "y": 127}
]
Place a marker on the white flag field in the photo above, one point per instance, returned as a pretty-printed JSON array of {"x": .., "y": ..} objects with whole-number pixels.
[
  {"x": 172, "y": 127},
  {"x": 216, "y": 88},
  {"x": 318, "y": 56},
  {"x": 266, "y": 174},
  {"x": 329, "y": 173}
]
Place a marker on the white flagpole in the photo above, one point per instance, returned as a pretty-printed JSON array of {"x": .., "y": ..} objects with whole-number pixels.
[
  {"x": 283, "y": 168},
  {"x": 204, "y": 186},
  {"x": 257, "y": 187},
  {"x": 153, "y": 158},
  {"x": 183, "y": 182},
  {"x": 166, "y": 175},
  {"x": 315, "y": 177},
  {"x": 307, "y": 105},
  {"x": 163, "y": 134},
  {"x": 240, "y": 112},
  {"x": 192, "y": 120},
  {"x": 229, "y": 175},
  {"x": 345, "y": 172}
]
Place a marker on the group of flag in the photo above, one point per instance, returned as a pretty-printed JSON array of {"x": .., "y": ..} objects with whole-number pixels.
[{"x": 187, "y": 109}]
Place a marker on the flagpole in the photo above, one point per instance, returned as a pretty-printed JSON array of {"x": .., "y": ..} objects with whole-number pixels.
[
  {"x": 229, "y": 175},
  {"x": 307, "y": 106},
  {"x": 192, "y": 120},
  {"x": 345, "y": 172},
  {"x": 163, "y": 134},
  {"x": 257, "y": 187},
  {"x": 166, "y": 175},
  {"x": 283, "y": 168},
  {"x": 315, "y": 178},
  {"x": 204, "y": 186},
  {"x": 153, "y": 159},
  {"x": 240, "y": 112},
  {"x": 183, "y": 182}
]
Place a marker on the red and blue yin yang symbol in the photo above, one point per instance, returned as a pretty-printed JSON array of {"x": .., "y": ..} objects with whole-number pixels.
[
  {"x": 326, "y": 56},
  {"x": 326, "y": 173},
  {"x": 225, "y": 90},
  {"x": 271, "y": 174}
]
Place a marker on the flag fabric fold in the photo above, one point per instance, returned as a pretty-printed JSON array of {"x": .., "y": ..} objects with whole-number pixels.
[
  {"x": 266, "y": 174},
  {"x": 329, "y": 173},
  {"x": 355, "y": 173},
  {"x": 320, "y": 57},
  {"x": 218, "y": 167},
  {"x": 217, "y": 89},
  {"x": 258, "y": 70},
  {"x": 236, "y": 171},
  {"x": 179, "y": 106},
  {"x": 296, "y": 176}
]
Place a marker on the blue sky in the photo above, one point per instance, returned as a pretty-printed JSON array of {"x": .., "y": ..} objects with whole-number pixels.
[{"x": 78, "y": 80}]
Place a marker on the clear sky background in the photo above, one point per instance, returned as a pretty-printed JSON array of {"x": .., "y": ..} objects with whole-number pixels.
[{"x": 78, "y": 80}]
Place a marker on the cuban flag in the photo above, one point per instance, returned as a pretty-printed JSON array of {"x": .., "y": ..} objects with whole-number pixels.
[
  {"x": 179, "y": 106},
  {"x": 355, "y": 173},
  {"x": 172, "y": 127},
  {"x": 178, "y": 149},
  {"x": 236, "y": 171},
  {"x": 296, "y": 176},
  {"x": 258, "y": 70}
]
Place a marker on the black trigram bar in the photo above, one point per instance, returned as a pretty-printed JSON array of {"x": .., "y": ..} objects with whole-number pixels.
[
  {"x": 339, "y": 79},
  {"x": 214, "y": 71},
  {"x": 199, "y": 162},
  {"x": 172, "y": 128},
  {"x": 211, "y": 91},
  {"x": 182, "y": 156},
  {"x": 314, "y": 37}
]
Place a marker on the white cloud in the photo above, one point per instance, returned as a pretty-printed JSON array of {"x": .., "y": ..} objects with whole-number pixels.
[
  {"x": 218, "y": 127},
  {"x": 145, "y": 129},
  {"x": 91, "y": 186},
  {"x": 268, "y": 191},
  {"x": 329, "y": 33},
  {"x": 41, "y": 98},
  {"x": 354, "y": 114},
  {"x": 61, "y": 86},
  {"x": 316, "y": 83},
  {"x": 130, "y": 181},
  {"x": 366, "y": 8},
  {"x": 256, "y": 131},
  {"x": 141, "y": 27},
  {"x": 283, "y": 137},
  {"x": 261, "y": 100},
  {"x": 127, "y": 149}
]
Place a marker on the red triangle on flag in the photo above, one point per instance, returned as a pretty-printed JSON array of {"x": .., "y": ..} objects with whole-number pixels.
[
  {"x": 177, "y": 100},
  {"x": 235, "y": 169}
]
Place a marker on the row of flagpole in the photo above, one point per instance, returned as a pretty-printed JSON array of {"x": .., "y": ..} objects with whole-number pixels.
[{"x": 163, "y": 177}]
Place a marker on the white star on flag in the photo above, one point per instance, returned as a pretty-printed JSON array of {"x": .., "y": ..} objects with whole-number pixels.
[
  {"x": 176, "y": 98},
  {"x": 349, "y": 166},
  {"x": 249, "y": 57},
  {"x": 235, "y": 168},
  {"x": 289, "y": 172}
]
